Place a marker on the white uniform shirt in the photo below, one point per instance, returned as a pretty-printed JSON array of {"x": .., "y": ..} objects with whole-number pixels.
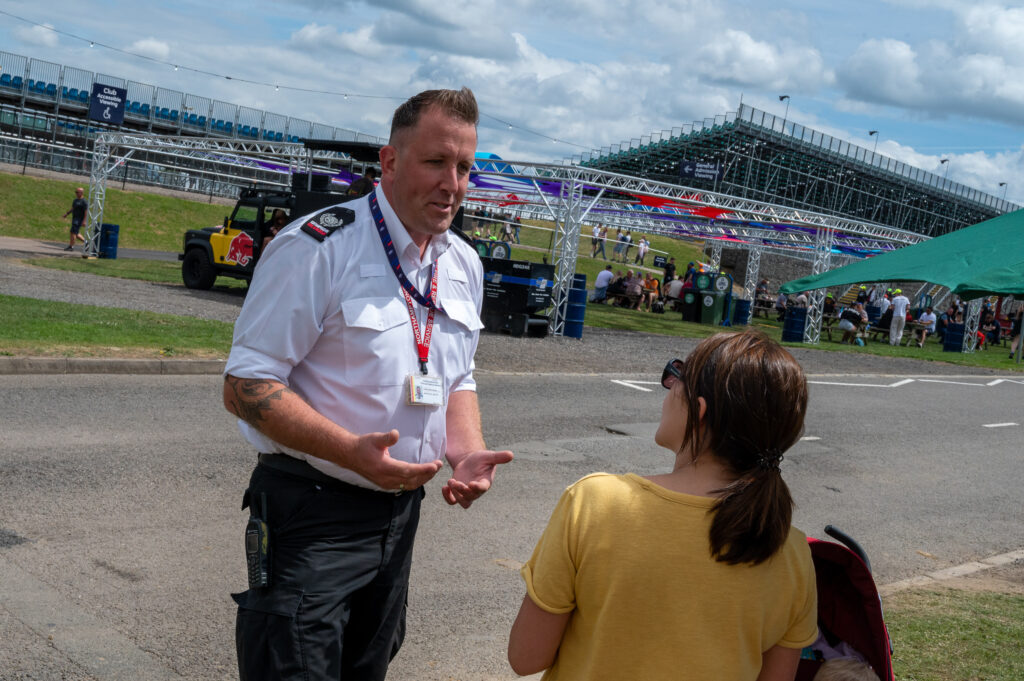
[
  {"x": 604, "y": 277},
  {"x": 899, "y": 306},
  {"x": 328, "y": 319},
  {"x": 929, "y": 319},
  {"x": 884, "y": 304}
]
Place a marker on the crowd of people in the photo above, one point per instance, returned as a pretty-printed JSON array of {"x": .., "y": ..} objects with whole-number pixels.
[
  {"x": 895, "y": 317},
  {"x": 641, "y": 290},
  {"x": 490, "y": 225}
]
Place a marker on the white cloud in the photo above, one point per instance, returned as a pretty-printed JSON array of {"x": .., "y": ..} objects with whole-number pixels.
[
  {"x": 37, "y": 35},
  {"x": 736, "y": 57},
  {"x": 151, "y": 47}
]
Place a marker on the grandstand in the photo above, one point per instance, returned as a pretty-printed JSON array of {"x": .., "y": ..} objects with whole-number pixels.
[
  {"x": 766, "y": 158},
  {"x": 50, "y": 102}
]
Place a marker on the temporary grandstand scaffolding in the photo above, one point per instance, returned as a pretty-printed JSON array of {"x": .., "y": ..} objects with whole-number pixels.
[
  {"x": 765, "y": 157},
  {"x": 566, "y": 195}
]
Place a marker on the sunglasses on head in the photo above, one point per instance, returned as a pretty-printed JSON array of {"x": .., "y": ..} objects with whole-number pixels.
[{"x": 672, "y": 372}]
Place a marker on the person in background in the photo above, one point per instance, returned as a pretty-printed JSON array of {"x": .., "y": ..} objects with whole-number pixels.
[
  {"x": 801, "y": 299},
  {"x": 900, "y": 305},
  {"x": 1015, "y": 330},
  {"x": 602, "y": 237},
  {"x": 78, "y": 210},
  {"x": 365, "y": 184},
  {"x": 927, "y": 317},
  {"x": 884, "y": 301},
  {"x": 781, "y": 301},
  {"x": 652, "y": 291},
  {"x": 829, "y": 307},
  {"x": 277, "y": 222},
  {"x": 595, "y": 241},
  {"x": 851, "y": 320},
  {"x": 628, "y": 563},
  {"x": 601, "y": 282},
  {"x": 862, "y": 295},
  {"x": 690, "y": 276},
  {"x": 670, "y": 270}
]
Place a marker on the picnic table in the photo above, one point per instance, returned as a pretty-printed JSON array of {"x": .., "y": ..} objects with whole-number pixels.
[{"x": 762, "y": 307}]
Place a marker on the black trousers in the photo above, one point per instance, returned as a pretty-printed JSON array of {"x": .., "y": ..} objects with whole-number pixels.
[{"x": 340, "y": 558}]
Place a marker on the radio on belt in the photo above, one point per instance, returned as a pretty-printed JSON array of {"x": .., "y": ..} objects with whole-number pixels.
[{"x": 257, "y": 546}]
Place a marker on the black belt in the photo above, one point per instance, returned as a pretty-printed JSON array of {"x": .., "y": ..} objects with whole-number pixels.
[{"x": 300, "y": 469}]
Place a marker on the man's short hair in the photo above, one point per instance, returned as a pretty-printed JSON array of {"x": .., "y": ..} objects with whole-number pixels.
[
  {"x": 459, "y": 104},
  {"x": 371, "y": 172}
]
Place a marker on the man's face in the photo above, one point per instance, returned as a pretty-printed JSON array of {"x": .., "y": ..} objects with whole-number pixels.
[{"x": 426, "y": 172}]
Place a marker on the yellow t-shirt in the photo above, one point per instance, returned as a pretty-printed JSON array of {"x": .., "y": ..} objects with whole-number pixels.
[{"x": 632, "y": 562}]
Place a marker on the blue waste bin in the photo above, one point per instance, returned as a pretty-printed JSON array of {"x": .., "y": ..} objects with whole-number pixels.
[
  {"x": 793, "y": 326},
  {"x": 954, "y": 341},
  {"x": 741, "y": 311},
  {"x": 576, "y": 308},
  {"x": 108, "y": 240}
]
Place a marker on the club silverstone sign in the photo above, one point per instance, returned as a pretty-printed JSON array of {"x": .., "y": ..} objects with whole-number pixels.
[
  {"x": 107, "y": 104},
  {"x": 700, "y": 170}
]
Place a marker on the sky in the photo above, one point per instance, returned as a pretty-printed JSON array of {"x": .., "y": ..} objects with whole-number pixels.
[{"x": 938, "y": 79}]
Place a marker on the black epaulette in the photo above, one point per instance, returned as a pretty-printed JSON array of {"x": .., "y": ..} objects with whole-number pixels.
[{"x": 326, "y": 222}]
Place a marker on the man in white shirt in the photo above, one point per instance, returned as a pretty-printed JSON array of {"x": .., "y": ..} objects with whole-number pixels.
[
  {"x": 604, "y": 277},
  {"x": 900, "y": 303},
  {"x": 351, "y": 373},
  {"x": 927, "y": 317}
]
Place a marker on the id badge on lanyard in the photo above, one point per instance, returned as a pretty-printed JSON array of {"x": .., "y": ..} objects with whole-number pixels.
[{"x": 423, "y": 389}]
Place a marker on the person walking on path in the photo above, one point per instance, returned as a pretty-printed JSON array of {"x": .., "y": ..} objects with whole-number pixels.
[
  {"x": 900, "y": 303},
  {"x": 353, "y": 408},
  {"x": 78, "y": 210}
]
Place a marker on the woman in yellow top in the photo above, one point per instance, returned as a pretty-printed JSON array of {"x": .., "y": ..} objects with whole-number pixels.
[{"x": 694, "y": 574}]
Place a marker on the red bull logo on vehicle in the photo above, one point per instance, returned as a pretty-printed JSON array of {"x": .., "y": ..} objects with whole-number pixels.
[{"x": 240, "y": 250}]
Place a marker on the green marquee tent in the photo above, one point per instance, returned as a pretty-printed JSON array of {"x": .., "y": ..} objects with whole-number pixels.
[{"x": 985, "y": 259}]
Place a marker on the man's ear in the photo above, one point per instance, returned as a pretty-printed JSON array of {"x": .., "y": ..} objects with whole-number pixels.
[
  {"x": 702, "y": 407},
  {"x": 388, "y": 159}
]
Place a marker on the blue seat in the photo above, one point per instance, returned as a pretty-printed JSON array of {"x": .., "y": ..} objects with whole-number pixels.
[
  {"x": 144, "y": 109},
  {"x": 31, "y": 84},
  {"x": 278, "y": 137},
  {"x": 51, "y": 90},
  {"x": 16, "y": 82},
  {"x": 228, "y": 125},
  {"x": 73, "y": 93},
  {"x": 5, "y": 80},
  {"x": 192, "y": 119},
  {"x": 218, "y": 125},
  {"x": 254, "y": 133},
  {"x": 201, "y": 121},
  {"x": 245, "y": 130},
  {"x": 163, "y": 112},
  {"x": 173, "y": 115},
  {"x": 83, "y": 96},
  {"x": 135, "y": 108}
]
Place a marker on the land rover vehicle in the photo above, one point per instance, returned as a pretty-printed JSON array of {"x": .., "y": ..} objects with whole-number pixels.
[{"x": 234, "y": 248}]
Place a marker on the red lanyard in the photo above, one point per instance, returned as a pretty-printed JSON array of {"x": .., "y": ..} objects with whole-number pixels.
[{"x": 423, "y": 344}]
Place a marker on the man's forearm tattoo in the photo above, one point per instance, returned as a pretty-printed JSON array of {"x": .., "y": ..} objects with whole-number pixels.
[{"x": 253, "y": 396}]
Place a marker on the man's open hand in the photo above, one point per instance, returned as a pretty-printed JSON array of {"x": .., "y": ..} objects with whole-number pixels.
[
  {"x": 372, "y": 461},
  {"x": 472, "y": 476}
]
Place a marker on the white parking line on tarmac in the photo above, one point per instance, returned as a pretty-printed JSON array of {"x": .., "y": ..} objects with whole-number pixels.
[
  {"x": 936, "y": 380},
  {"x": 634, "y": 386},
  {"x": 865, "y": 385},
  {"x": 810, "y": 438},
  {"x": 998, "y": 425}
]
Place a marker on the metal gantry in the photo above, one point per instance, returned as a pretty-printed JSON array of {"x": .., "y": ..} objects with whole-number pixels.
[
  {"x": 753, "y": 275},
  {"x": 815, "y": 305},
  {"x": 971, "y": 320}
]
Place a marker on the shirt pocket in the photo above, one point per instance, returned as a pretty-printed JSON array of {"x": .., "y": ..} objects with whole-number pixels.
[
  {"x": 377, "y": 338},
  {"x": 461, "y": 328}
]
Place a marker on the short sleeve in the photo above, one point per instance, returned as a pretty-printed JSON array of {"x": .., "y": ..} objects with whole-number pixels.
[
  {"x": 282, "y": 317},
  {"x": 550, "y": 574},
  {"x": 803, "y": 629}
]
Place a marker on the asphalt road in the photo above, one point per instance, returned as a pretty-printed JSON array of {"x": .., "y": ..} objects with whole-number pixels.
[{"x": 120, "y": 527}]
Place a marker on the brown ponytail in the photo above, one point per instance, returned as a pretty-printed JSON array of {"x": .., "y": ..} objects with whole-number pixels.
[{"x": 756, "y": 397}]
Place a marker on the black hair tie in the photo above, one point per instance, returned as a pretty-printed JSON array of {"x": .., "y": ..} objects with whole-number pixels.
[{"x": 769, "y": 460}]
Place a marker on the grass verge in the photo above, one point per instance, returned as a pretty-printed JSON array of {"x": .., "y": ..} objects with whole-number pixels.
[
  {"x": 953, "y": 635},
  {"x": 40, "y": 328}
]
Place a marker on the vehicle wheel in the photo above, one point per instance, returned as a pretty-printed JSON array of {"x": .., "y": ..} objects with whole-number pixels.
[{"x": 197, "y": 270}]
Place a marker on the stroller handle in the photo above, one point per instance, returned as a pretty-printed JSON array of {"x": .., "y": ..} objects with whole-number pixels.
[{"x": 849, "y": 542}]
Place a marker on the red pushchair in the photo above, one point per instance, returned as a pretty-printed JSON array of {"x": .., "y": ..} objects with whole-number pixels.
[{"x": 849, "y": 608}]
